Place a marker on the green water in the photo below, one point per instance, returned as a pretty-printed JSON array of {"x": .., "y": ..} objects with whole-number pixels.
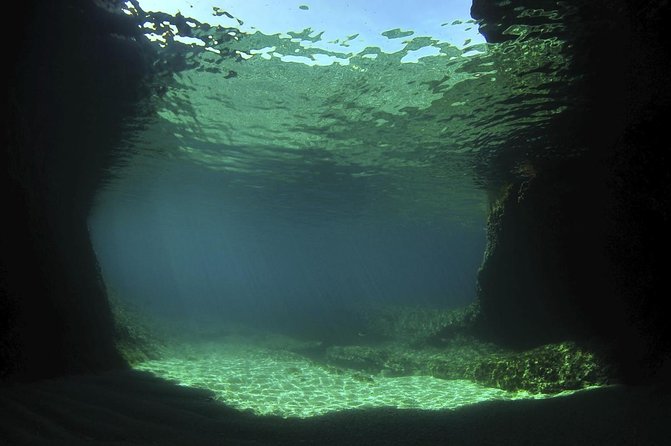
[
  {"x": 414, "y": 140},
  {"x": 302, "y": 132}
]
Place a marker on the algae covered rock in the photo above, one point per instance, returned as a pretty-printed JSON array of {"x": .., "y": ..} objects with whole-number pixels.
[
  {"x": 551, "y": 368},
  {"x": 135, "y": 337},
  {"x": 457, "y": 357},
  {"x": 445, "y": 344}
]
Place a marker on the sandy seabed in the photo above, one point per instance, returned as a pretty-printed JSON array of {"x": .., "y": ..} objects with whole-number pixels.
[
  {"x": 275, "y": 382},
  {"x": 133, "y": 407}
]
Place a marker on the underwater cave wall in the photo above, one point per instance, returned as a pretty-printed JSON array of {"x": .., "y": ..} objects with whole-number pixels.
[
  {"x": 576, "y": 246},
  {"x": 545, "y": 262},
  {"x": 75, "y": 74}
]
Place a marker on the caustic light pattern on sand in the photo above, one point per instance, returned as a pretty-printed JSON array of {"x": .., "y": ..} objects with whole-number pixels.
[{"x": 282, "y": 383}]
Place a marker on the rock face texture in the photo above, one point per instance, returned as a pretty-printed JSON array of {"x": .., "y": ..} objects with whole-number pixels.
[
  {"x": 70, "y": 85},
  {"x": 576, "y": 244}
]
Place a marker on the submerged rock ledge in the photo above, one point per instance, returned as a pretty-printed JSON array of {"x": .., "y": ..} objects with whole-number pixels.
[
  {"x": 552, "y": 368},
  {"x": 447, "y": 344}
]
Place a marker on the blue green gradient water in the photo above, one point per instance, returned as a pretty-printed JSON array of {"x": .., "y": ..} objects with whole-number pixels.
[{"x": 284, "y": 179}]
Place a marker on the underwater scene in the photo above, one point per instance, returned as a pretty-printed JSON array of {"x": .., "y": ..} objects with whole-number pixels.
[
  {"x": 297, "y": 221},
  {"x": 321, "y": 222}
]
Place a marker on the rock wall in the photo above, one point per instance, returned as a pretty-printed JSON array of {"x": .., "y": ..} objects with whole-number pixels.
[
  {"x": 545, "y": 276},
  {"x": 576, "y": 246},
  {"x": 75, "y": 73}
]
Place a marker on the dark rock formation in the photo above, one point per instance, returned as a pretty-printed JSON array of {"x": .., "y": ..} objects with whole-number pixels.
[
  {"x": 74, "y": 74},
  {"x": 545, "y": 275},
  {"x": 137, "y": 337},
  {"x": 576, "y": 246}
]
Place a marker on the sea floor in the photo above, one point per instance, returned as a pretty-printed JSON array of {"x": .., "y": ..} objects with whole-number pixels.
[
  {"x": 135, "y": 408},
  {"x": 269, "y": 381}
]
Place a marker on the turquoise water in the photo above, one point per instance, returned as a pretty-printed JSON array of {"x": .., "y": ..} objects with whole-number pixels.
[{"x": 289, "y": 172}]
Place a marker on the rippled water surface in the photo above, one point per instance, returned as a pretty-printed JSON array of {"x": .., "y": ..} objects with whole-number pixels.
[{"x": 347, "y": 116}]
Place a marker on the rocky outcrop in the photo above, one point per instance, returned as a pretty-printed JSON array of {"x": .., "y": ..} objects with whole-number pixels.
[
  {"x": 545, "y": 275},
  {"x": 449, "y": 344},
  {"x": 552, "y": 368},
  {"x": 576, "y": 244},
  {"x": 137, "y": 337}
]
